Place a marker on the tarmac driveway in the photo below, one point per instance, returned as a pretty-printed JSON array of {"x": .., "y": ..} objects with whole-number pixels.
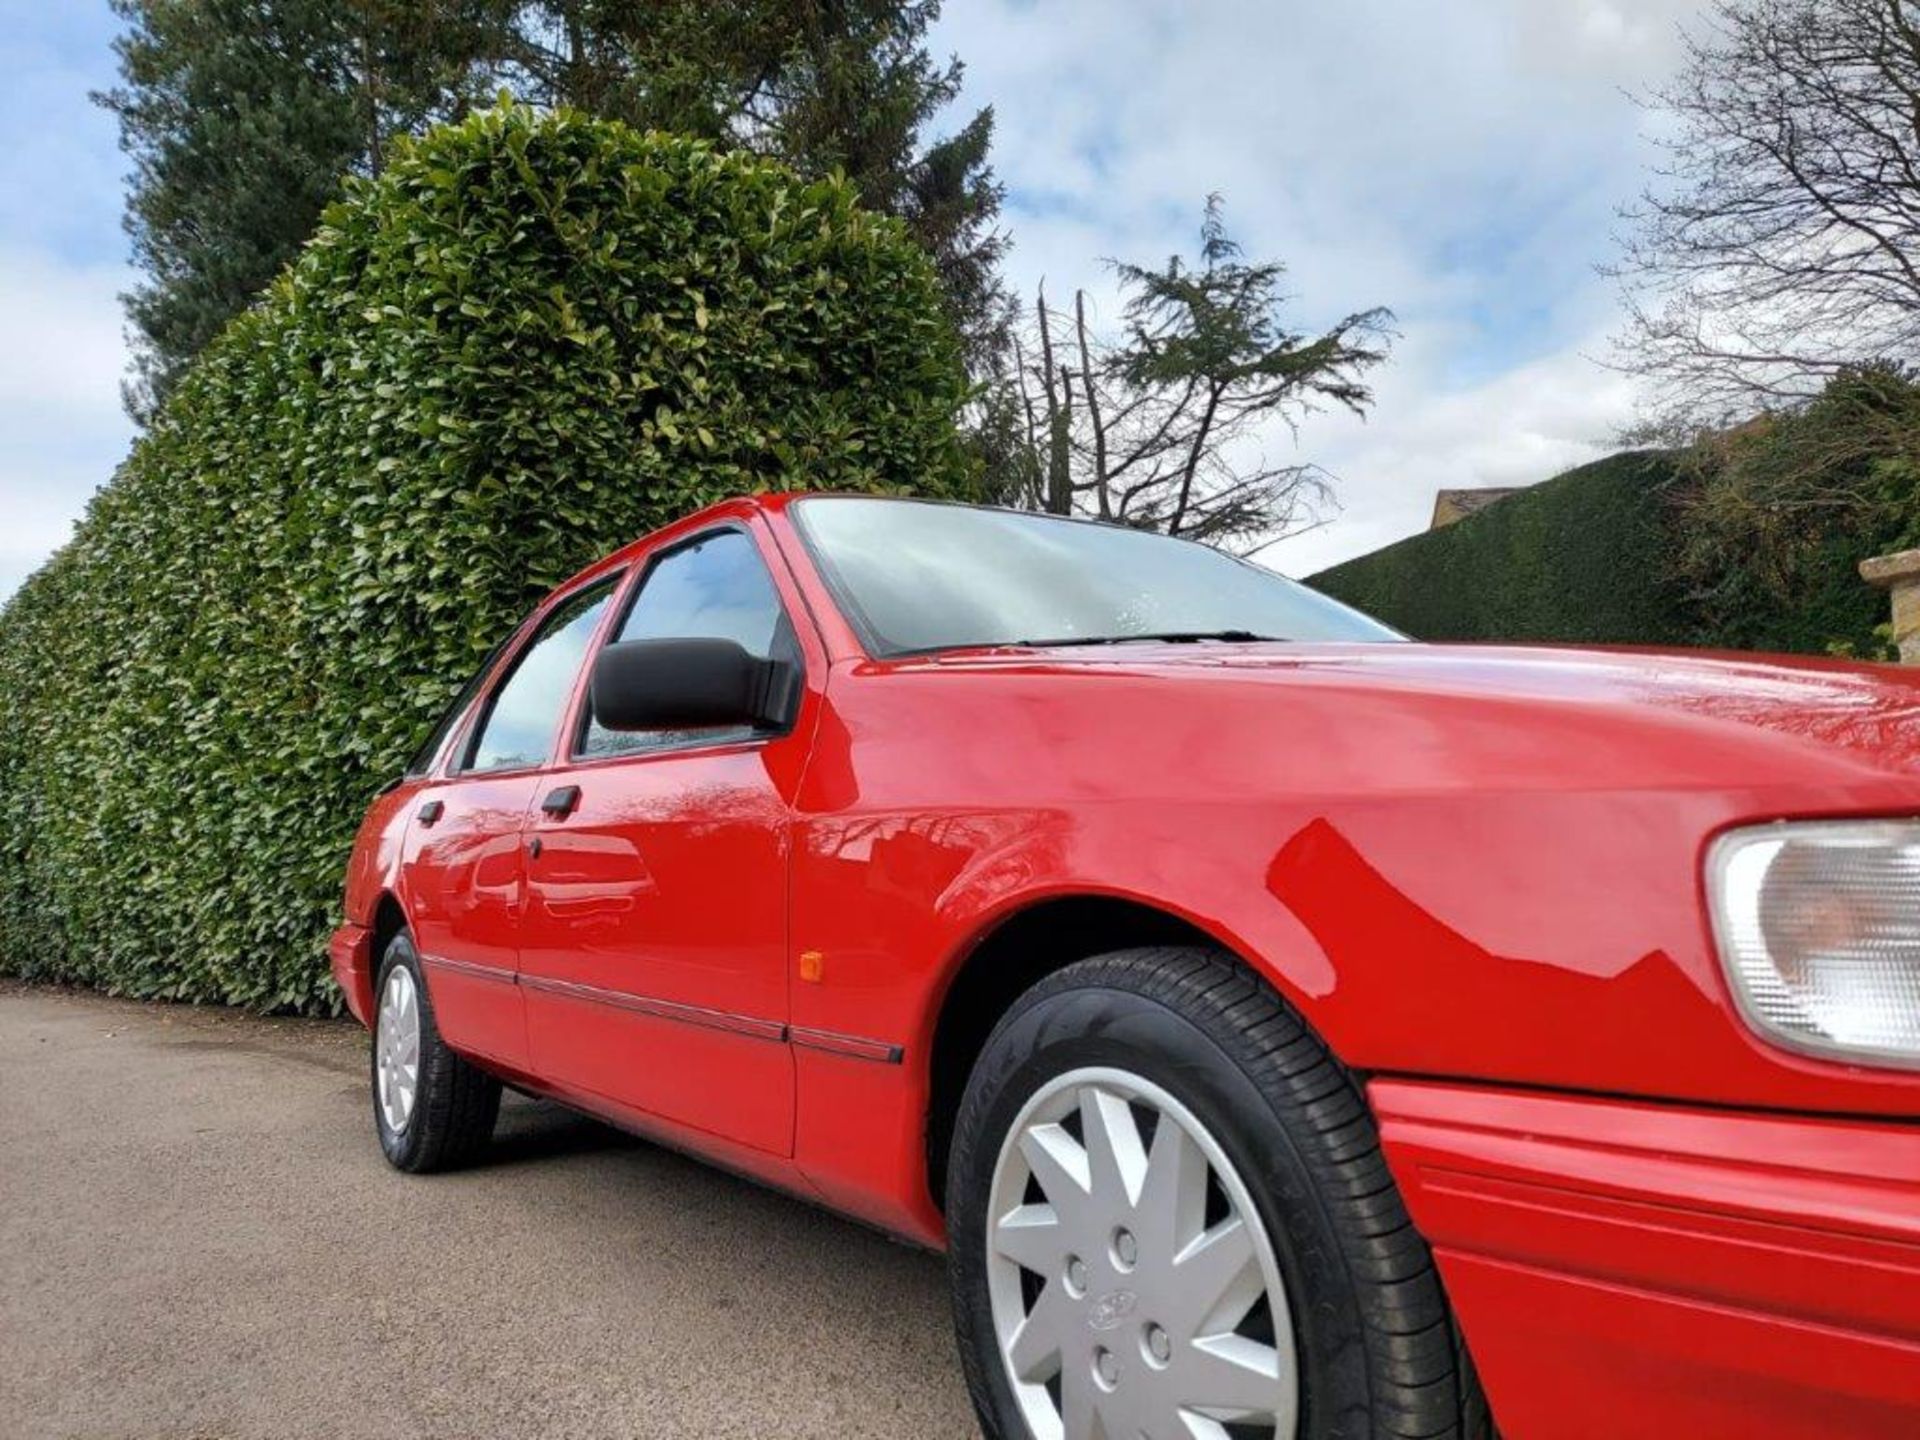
[{"x": 199, "y": 1238}]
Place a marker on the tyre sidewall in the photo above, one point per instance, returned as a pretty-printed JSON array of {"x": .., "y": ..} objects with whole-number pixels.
[
  {"x": 404, "y": 1148},
  {"x": 1104, "y": 1025}
]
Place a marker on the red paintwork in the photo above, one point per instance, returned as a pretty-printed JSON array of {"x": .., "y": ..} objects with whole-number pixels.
[
  {"x": 1461, "y": 864},
  {"x": 1732, "y": 1274},
  {"x": 669, "y": 884}
]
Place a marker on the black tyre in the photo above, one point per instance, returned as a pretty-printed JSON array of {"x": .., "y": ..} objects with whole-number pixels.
[
  {"x": 434, "y": 1110},
  {"x": 1169, "y": 1216}
]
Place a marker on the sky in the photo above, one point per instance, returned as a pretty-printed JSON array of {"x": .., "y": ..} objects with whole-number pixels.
[{"x": 1460, "y": 164}]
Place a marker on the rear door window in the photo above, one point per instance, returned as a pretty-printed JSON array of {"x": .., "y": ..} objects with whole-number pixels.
[{"x": 524, "y": 713}]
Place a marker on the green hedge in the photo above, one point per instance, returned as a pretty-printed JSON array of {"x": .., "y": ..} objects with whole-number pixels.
[
  {"x": 1781, "y": 511},
  {"x": 1818, "y": 606},
  {"x": 1584, "y": 557},
  {"x": 531, "y": 340}
]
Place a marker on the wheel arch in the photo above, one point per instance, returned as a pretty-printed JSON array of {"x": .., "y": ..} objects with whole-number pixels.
[
  {"x": 389, "y": 919},
  {"x": 1018, "y": 950}
]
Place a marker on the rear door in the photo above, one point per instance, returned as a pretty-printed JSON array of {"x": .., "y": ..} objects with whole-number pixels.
[
  {"x": 464, "y": 867},
  {"x": 654, "y": 945}
]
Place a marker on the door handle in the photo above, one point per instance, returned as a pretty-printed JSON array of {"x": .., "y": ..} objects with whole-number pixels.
[
  {"x": 560, "y": 803},
  {"x": 431, "y": 811},
  {"x": 534, "y": 847}
]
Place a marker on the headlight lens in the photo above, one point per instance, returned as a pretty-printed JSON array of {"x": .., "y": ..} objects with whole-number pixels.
[{"x": 1819, "y": 928}]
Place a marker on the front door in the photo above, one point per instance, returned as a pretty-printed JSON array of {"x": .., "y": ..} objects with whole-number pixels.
[
  {"x": 653, "y": 946},
  {"x": 464, "y": 867}
]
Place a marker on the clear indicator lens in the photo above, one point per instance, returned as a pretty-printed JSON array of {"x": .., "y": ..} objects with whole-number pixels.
[{"x": 1819, "y": 928}]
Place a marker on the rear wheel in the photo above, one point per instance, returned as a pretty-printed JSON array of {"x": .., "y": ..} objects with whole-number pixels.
[
  {"x": 1169, "y": 1217},
  {"x": 434, "y": 1110}
]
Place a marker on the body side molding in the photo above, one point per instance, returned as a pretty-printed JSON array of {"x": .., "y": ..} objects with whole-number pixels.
[{"x": 858, "y": 1047}]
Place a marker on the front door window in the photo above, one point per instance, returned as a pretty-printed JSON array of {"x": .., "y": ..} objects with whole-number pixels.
[{"x": 716, "y": 588}]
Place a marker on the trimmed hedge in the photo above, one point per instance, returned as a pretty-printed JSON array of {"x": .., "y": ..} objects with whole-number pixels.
[
  {"x": 531, "y": 340},
  {"x": 1586, "y": 557}
]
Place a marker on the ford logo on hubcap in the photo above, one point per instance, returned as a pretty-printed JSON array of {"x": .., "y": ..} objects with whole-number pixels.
[{"x": 1110, "y": 1309}]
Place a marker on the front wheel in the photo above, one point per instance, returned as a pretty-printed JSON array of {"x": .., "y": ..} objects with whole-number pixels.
[
  {"x": 1169, "y": 1217},
  {"x": 433, "y": 1108}
]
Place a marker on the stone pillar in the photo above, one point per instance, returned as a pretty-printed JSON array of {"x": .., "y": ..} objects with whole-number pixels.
[{"x": 1900, "y": 574}]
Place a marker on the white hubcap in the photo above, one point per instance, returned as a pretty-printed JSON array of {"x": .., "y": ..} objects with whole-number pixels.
[
  {"x": 396, "y": 1048},
  {"x": 1133, "y": 1287}
]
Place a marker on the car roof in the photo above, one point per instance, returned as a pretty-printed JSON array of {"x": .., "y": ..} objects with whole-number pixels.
[{"x": 739, "y": 507}]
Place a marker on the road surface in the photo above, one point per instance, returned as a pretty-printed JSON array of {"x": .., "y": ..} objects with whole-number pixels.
[{"x": 199, "y": 1239}]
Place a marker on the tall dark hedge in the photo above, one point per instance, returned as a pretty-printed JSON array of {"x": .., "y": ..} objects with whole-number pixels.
[
  {"x": 533, "y": 339},
  {"x": 1586, "y": 557},
  {"x": 1747, "y": 541}
]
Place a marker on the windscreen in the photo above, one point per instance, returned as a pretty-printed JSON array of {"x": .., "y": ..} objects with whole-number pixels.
[{"x": 917, "y": 576}]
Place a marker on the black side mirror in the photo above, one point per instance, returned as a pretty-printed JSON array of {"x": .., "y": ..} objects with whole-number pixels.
[{"x": 688, "y": 684}]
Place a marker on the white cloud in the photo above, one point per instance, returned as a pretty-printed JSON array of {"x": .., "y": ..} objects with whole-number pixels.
[
  {"x": 65, "y": 349},
  {"x": 1627, "y": 42},
  {"x": 1521, "y": 426},
  {"x": 62, "y": 429}
]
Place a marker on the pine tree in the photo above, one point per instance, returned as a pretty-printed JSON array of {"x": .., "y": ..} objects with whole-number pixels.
[
  {"x": 1163, "y": 427},
  {"x": 239, "y": 134}
]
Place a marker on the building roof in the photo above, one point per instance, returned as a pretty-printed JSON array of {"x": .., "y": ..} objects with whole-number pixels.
[{"x": 1452, "y": 505}]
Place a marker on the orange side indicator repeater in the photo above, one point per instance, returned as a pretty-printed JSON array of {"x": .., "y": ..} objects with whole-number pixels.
[{"x": 813, "y": 966}]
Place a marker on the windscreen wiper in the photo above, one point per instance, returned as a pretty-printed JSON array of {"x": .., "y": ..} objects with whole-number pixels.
[{"x": 1170, "y": 637}]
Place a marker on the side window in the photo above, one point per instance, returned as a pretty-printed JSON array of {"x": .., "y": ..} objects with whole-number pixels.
[
  {"x": 716, "y": 588},
  {"x": 423, "y": 758},
  {"x": 525, "y": 711}
]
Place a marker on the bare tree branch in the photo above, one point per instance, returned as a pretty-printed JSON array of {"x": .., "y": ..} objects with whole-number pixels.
[{"x": 1780, "y": 241}]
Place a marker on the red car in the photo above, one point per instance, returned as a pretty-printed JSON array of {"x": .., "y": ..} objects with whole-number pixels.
[{"x": 1288, "y": 1030}]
